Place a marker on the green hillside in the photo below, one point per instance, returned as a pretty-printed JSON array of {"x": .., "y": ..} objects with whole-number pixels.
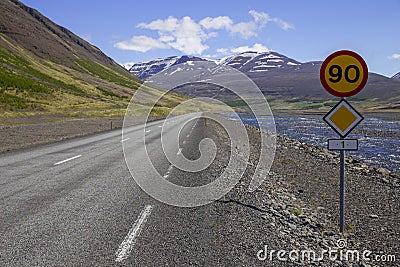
[{"x": 46, "y": 69}]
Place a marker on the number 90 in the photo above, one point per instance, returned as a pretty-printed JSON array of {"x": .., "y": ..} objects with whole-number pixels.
[{"x": 336, "y": 73}]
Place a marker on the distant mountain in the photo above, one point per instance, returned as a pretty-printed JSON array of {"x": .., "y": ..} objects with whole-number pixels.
[
  {"x": 248, "y": 62},
  {"x": 284, "y": 80},
  {"x": 145, "y": 70},
  {"x": 46, "y": 68},
  {"x": 396, "y": 76}
]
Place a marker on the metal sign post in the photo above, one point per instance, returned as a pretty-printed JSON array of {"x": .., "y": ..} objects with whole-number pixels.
[
  {"x": 342, "y": 191},
  {"x": 343, "y": 73}
]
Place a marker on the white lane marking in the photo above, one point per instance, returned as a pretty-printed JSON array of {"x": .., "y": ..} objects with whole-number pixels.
[
  {"x": 179, "y": 151},
  {"x": 63, "y": 161},
  {"x": 126, "y": 139},
  {"x": 187, "y": 136},
  {"x": 184, "y": 142},
  {"x": 148, "y": 131},
  {"x": 159, "y": 126},
  {"x": 126, "y": 246},
  {"x": 168, "y": 172}
]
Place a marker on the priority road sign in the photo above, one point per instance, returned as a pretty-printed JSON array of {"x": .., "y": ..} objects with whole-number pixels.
[
  {"x": 344, "y": 73},
  {"x": 343, "y": 118},
  {"x": 342, "y": 144}
]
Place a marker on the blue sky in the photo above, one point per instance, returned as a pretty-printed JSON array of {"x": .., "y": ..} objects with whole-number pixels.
[{"x": 135, "y": 31}]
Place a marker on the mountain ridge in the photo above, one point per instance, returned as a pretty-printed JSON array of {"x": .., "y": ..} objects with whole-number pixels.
[
  {"x": 146, "y": 69},
  {"x": 396, "y": 76},
  {"x": 282, "y": 79},
  {"x": 31, "y": 30},
  {"x": 47, "y": 69}
]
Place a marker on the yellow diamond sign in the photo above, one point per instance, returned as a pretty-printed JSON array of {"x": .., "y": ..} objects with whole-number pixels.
[{"x": 343, "y": 118}]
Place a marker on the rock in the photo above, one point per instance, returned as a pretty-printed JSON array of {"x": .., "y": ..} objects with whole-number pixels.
[
  {"x": 329, "y": 233},
  {"x": 383, "y": 171},
  {"x": 292, "y": 226},
  {"x": 373, "y": 216}
]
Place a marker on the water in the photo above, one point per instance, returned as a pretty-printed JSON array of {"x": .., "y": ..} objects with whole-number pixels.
[{"x": 379, "y": 142}]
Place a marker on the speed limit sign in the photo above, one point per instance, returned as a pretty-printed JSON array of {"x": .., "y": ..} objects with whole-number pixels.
[{"x": 344, "y": 73}]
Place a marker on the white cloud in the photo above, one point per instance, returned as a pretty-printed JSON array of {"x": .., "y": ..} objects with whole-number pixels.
[
  {"x": 183, "y": 34},
  {"x": 168, "y": 25},
  {"x": 166, "y": 38},
  {"x": 245, "y": 29},
  {"x": 189, "y": 36},
  {"x": 140, "y": 43},
  {"x": 395, "y": 56},
  {"x": 260, "y": 17},
  {"x": 283, "y": 24},
  {"x": 263, "y": 18},
  {"x": 255, "y": 48},
  {"x": 216, "y": 23},
  {"x": 222, "y": 50}
]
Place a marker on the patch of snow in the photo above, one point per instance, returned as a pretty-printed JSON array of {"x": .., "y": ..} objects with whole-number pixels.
[
  {"x": 234, "y": 63},
  {"x": 292, "y": 64},
  {"x": 177, "y": 69},
  {"x": 266, "y": 66},
  {"x": 270, "y": 56},
  {"x": 259, "y": 70}
]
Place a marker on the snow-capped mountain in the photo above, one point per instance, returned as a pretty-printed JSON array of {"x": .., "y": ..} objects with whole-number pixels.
[
  {"x": 147, "y": 69},
  {"x": 277, "y": 76},
  {"x": 260, "y": 62},
  {"x": 247, "y": 62}
]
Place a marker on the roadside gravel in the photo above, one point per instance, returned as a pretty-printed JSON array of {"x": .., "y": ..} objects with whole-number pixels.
[
  {"x": 298, "y": 203},
  {"x": 36, "y": 131}
]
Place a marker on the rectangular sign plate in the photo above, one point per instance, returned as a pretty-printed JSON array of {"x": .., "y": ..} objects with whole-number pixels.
[{"x": 342, "y": 144}]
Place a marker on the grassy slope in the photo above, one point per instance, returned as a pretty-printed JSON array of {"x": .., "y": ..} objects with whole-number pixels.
[{"x": 30, "y": 86}]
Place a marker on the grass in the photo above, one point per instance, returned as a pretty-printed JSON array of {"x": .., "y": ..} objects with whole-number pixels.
[
  {"x": 109, "y": 93},
  {"x": 8, "y": 101},
  {"x": 297, "y": 212},
  {"x": 108, "y": 74},
  {"x": 349, "y": 228},
  {"x": 30, "y": 86},
  {"x": 31, "y": 75}
]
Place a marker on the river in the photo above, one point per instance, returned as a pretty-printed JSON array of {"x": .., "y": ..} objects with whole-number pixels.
[{"x": 379, "y": 139}]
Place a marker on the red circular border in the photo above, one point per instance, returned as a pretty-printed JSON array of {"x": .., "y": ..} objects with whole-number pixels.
[{"x": 340, "y": 53}]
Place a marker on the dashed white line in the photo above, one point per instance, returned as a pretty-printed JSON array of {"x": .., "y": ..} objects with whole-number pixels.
[
  {"x": 63, "y": 161},
  {"x": 126, "y": 246},
  {"x": 179, "y": 151},
  {"x": 148, "y": 131},
  {"x": 126, "y": 139}
]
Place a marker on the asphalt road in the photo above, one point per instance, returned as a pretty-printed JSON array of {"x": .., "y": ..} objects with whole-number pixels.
[{"x": 75, "y": 203}]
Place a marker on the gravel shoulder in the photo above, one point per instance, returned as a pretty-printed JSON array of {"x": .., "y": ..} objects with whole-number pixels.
[
  {"x": 27, "y": 132},
  {"x": 298, "y": 204}
]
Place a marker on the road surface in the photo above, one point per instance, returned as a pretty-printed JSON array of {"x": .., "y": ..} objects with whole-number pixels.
[{"x": 75, "y": 203}]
